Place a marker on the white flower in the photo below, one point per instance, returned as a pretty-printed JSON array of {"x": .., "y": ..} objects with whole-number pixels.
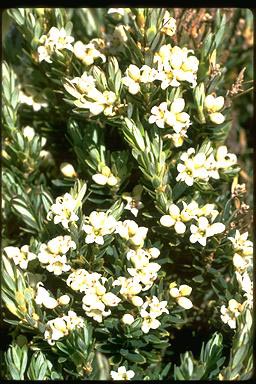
[
  {"x": 159, "y": 115},
  {"x": 132, "y": 79},
  {"x": 247, "y": 286},
  {"x": 68, "y": 170},
  {"x": 54, "y": 41},
  {"x": 133, "y": 200},
  {"x": 174, "y": 65},
  {"x": 83, "y": 281},
  {"x": 88, "y": 53},
  {"x": 127, "y": 319},
  {"x": 20, "y": 257},
  {"x": 99, "y": 225},
  {"x": 193, "y": 167},
  {"x": 130, "y": 231},
  {"x": 229, "y": 315},
  {"x": 213, "y": 105},
  {"x": 169, "y": 24},
  {"x": 241, "y": 245},
  {"x": 63, "y": 211},
  {"x": 61, "y": 326},
  {"x": 180, "y": 293},
  {"x": 173, "y": 219},
  {"x": 130, "y": 287},
  {"x": 149, "y": 321},
  {"x": 156, "y": 307},
  {"x": 225, "y": 159},
  {"x": 105, "y": 177},
  {"x": 43, "y": 297},
  {"x": 146, "y": 274},
  {"x": 122, "y": 374},
  {"x": 204, "y": 230}
]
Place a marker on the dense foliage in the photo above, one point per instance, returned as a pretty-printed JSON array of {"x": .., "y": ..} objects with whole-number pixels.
[{"x": 126, "y": 192}]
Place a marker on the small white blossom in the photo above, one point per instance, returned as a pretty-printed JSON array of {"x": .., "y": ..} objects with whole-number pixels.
[
  {"x": 98, "y": 224},
  {"x": 169, "y": 24},
  {"x": 31, "y": 101},
  {"x": 230, "y": 313},
  {"x": 21, "y": 256},
  {"x": 150, "y": 310},
  {"x": 105, "y": 177},
  {"x": 174, "y": 219},
  {"x": 88, "y": 53},
  {"x": 54, "y": 41},
  {"x": 204, "y": 230},
  {"x": 130, "y": 231},
  {"x": 213, "y": 105},
  {"x": 63, "y": 211},
  {"x": 61, "y": 326},
  {"x": 122, "y": 374},
  {"x": 128, "y": 319},
  {"x": 193, "y": 167},
  {"x": 43, "y": 297},
  {"x": 225, "y": 159},
  {"x": 179, "y": 295}
]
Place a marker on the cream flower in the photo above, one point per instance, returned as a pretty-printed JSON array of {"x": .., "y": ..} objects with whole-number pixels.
[
  {"x": 61, "y": 326},
  {"x": 30, "y": 100},
  {"x": 241, "y": 244},
  {"x": 98, "y": 224},
  {"x": 134, "y": 76},
  {"x": 88, "y": 53},
  {"x": 130, "y": 231},
  {"x": 54, "y": 41},
  {"x": 246, "y": 284},
  {"x": 173, "y": 219},
  {"x": 204, "y": 230},
  {"x": 146, "y": 274},
  {"x": 213, "y": 105},
  {"x": 122, "y": 374},
  {"x": 43, "y": 297},
  {"x": 169, "y": 24},
  {"x": 82, "y": 281},
  {"x": 130, "y": 288},
  {"x": 20, "y": 257},
  {"x": 149, "y": 321},
  {"x": 179, "y": 295},
  {"x": 193, "y": 167},
  {"x": 230, "y": 313},
  {"x": 105, "y": 177},
  {"x": 225, "y": 159},
  {"x": 63, "y": 211}
]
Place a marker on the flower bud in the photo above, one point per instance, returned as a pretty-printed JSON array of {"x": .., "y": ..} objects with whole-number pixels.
[
  {"x": 137, "y": 301},
  {"x": 217, "y": 118},
  {"x": 127, "y": 319},
  {"x": 68, "y": 170},
  {"x": 64, "y": 300},
  {"x": 28, "y": 132}
]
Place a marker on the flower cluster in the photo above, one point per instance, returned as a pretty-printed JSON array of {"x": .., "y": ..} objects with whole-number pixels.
[
  {"x": 130, "y": 231},
  {"x": 96, "y": 297},
  {"x": 144, "y": 271},
  {"x": 21, "y": 256},
  {"x": 44, "y": 298},
  {"x": 175, "y": 65},
  {"x": 204, "y": 218},
  {"x": 63, "y": 211},
  {"x": 52, "y": 255},
  {"x": 56, "y": 40},
  {"x": 134, "y": 76},
  {"x": 61, "y": 326},
  {"x": 243, "y": 249},
  {"x": 105, "y": 177},
  {"x": 150, "y": 310},
  {"x": 98, "y": 225},
  {"x": 90, "y": 52},
  {"x": 200, "y": 167},
  {"x": 230, "y": 313},
  {"x": 130, "y": 288},
  {"x": 89, "y": 97}
]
